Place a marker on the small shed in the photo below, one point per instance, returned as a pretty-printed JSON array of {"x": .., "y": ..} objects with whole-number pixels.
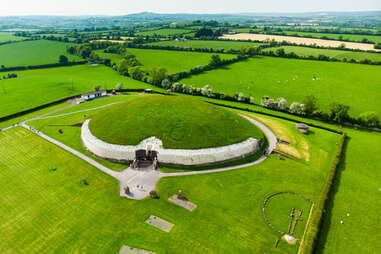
[
  {"x": 93, "y": 95},
  {"x": 303, "y": 128}
]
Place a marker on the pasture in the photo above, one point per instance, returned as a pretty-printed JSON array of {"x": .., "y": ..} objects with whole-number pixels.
[
  {"x": 36, "y": 87},
  {"x": 7, "y": 36},
  {"x": 34, "y": 53},
  {"x": 339, "y": 54},
  {"x": 355, "y": 199},
  {"x": 163, "y": 32},
  {"x": 351, "y": 84},
  {"x": 199, "y": 44},
  {"x": 173, "y": 61},
  {"x": 96, "y": 210}
]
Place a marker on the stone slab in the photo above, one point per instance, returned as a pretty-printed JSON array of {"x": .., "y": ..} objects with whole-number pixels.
[
  {"x": 131, "y": 250},
  {"x": 159, "y": 223},
  {"x": 184, "y": 203}
]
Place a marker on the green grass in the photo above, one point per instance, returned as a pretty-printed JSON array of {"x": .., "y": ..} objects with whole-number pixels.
[
  {"x": 356, "y": 192},
  {"x": 63, "y": 216},
  {"x": 351, "y": 37},
  {"x": 33, "y": 53},
  {"x": 226, "y": 45},
  {"x": 179, "y": 122},
  {"x": 7, "y": 36},
  {"x": 355, "y": 85},
  {"x": 173, "y": 61},
  {"x": 163, "y": 32},
  {"x": 339, "y": 54},
  {"x": 36, "y": 87}
]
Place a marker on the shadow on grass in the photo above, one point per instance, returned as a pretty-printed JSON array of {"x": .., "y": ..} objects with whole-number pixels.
[{"x": 327, "y": 216}]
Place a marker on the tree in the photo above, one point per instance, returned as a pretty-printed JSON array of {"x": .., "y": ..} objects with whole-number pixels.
[
  {"x": 165, "y": 84},
  {"x": 158, "y": 75},
  {"x": 297, "y": 108},
  {"x": 369, "y": 119},
  {"x": 119, "y": 86},
  {"x": 280, "y": 52},
  {"x": 63, "y": 59},
  {"x": 136, "y": 73},
  {"x": 338, "y": 112},
  {"x": 310, "y": 104},
  {"x": 123, "y": 67},
  {"x": 282, "y": 103},
  {"x": 97, "y": 87},
  {"x": 215, "y": 61}
]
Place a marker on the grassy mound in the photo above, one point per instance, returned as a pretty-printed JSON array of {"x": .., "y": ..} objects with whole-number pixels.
[{"x": 179, "y": 122}]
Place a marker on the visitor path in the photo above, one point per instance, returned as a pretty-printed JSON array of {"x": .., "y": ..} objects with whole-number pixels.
[{"x": 141, "y": 182}]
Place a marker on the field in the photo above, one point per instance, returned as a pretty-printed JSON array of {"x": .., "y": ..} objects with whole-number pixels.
[
  {"x": 300, "y": 40},
  {"x": 33, "y": 53},
  {"x": 36, "y": 87},
  {"x": 339, "y": 54},
  {"x": 355, "y": 199},
  {"x": 226, "y": 45},
  {"x": 173, "y": 61},
  {"x": 81, "y": 218},
  {"x": 163, "y": 32},
  {"x": 352, "y": 84},
  {"x": 201, "y": 125},
  {"x": 5, "y": 36},
  {"x": 350, "y": 37}
]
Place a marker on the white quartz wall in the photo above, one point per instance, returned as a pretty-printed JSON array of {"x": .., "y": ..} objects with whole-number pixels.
[{"x": 185, "y": 157}]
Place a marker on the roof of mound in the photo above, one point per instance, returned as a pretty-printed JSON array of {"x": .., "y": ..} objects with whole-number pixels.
[{"x": 180, "y": 122}]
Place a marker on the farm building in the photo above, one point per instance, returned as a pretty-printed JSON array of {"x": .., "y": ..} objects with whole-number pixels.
[{"x": 93, "y": 95}]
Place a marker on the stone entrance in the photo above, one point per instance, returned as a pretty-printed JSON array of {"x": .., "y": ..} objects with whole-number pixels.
[{"x": 145, "y": 159}]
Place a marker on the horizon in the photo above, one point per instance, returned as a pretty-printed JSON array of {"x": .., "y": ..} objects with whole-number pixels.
[{"x": 120, "y": 8}]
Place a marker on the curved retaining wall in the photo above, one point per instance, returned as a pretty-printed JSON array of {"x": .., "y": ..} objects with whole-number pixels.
[{"x": 180, "y": 157}]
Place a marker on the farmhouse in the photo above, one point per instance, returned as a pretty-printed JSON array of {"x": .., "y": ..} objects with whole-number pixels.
[{"x": 93, "y": 95}]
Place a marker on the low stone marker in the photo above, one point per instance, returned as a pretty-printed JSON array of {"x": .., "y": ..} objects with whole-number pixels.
[
  {"x": 131, "y": 250},
  {"x": 184, "y": 203},
  {"x": 159, "y": 223}
]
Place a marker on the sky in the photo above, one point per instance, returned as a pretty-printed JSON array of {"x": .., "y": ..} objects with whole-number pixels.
[{"x": 121, "y": 7}]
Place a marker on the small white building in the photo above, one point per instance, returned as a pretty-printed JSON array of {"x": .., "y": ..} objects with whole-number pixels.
[{"x": 93, "y": 95}]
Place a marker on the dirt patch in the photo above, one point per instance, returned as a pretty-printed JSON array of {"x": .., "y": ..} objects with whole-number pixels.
[
  {"x": 299, "y": 40},
  {"x": 287, "y": 149}
]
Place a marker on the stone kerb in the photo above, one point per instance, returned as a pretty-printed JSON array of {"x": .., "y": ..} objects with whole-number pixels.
[{"x": 181, "y": 157}]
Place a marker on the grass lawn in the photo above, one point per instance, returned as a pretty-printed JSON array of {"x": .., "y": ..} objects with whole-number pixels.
[
  {"x": 163, "y": 32},
  {"x": 351, "y": 84},
  {"x": 6, "y": 36},
  {"x": 173, "y": 61},
  {"x": 339, "y": 54},
  {"x": 62, "y": 215},
  {"x": 226, "y": 45},
  {"x": 36, "y": 87},
  {"x": 357, "y": 193},
  {"x": 34, "y": 53},
  {"x": 181, "y": 123}
]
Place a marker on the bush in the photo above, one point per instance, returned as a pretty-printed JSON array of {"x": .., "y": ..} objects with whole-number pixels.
[
  {"x": 369, "y": 119},
  {"x": 153, "y": 194}
]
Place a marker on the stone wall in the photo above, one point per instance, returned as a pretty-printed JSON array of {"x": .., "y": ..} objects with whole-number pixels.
[{"x": 180, "y": 157}]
